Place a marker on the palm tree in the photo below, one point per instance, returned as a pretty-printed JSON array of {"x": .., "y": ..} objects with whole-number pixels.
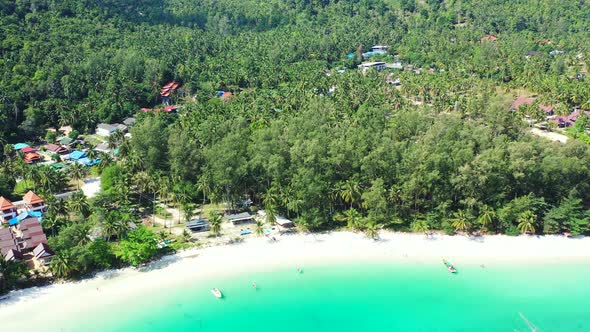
[
  {"x": 459, "y": 221},
  {"x": 526, "y": 222},
  {"x": 271, "y": 214},
  {"x": 50, "y": 222},
  {"x": 486, "y": 217},
  {"x": 371, "y": 230},
  {"x": 215, "y": 221},
  {"x": 352, "y": 218},
  {"x": 78, "y": 204},
  {"x": 61, "y": 265},
  {"x": 77, "y": 173},
  {"x": 420, "y": 226},
  {"x": 349, "y": 191},
  {"x": 259, "y": 228}
]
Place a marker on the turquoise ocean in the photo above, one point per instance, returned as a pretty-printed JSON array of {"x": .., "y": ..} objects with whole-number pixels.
[{"x": 359, "y": 297}]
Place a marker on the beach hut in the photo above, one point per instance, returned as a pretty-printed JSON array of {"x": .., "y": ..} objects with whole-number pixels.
[
  {"x": 239, "y": 218},
  {"x": 198, "y": 225},
  {"x": 7, "y": 210}
]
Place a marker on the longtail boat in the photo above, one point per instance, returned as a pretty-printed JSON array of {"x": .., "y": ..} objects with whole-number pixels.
[{"x": 449, "y": 266}]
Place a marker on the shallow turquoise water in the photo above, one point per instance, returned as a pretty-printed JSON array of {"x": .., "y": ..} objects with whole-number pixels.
[{"x": 363, "y": 297}]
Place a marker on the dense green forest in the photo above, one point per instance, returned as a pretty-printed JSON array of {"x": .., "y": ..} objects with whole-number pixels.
[{"x": 300, "y": 138}]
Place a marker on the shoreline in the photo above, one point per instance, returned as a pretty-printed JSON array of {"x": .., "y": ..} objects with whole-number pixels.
[{"x": 260, "y": 255}]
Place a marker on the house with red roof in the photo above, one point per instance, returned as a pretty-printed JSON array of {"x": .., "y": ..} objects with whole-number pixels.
[
  {"x": 55, "y": 148},
  {"x": 33, "y": 202},
  {"x": 529, "y": 101},
  {"x": 7, "y": 210},
  {"x": 31, "y": 158}
]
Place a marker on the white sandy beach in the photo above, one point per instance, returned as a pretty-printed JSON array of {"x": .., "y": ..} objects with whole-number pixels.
[{"x": 290, "y": 251}]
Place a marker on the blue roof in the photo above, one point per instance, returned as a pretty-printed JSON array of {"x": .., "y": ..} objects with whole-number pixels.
[
  {"x": 75, "y": 155},
  {"x": 220, "y": 93},
  {"x": 25, "y": 215},
  {"x": 89, "y": 162},
  {"x": 19, "y": 146}
]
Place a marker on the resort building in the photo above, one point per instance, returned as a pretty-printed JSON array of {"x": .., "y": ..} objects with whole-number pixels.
[
  {"x": 372, "y": 65},
  {"x": 31, "y": 158},
  {"x": 7, "y": 210},
  {"x": 379, "y": 48},
  {"x": 54, "y": 148},
  {"x": 7, "y": 241},
  {"x": 240, "y": 218},
  {"x": 33, "y": 202},
  {"x": 29, "y": 234},
  {"x": 76, "y": 155},
  {"x": 198, "y": 225},
  {"x": 42, "y": 255},
  {"x": 106, "y": 130},
  {"x": 529, "y": 101}
]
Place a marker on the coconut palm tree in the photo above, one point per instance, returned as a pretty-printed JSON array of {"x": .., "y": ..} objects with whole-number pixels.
[
  {"x": 259, "y": 228},
  {"x": 352, "y": 218},
  {"x": 51, "y": 223},
  {"x": 271, "y": 214},
  {"x": 486, "y": 217},
  {"x": 60, "y": 265},
  {"x": 371, "y": 230},
  {"x": 349, "y": 191},
  {"x": 215, "y": 221},
  {"x": 526, "y": 222},
  {"x": 420, "y": 226},
  {"x": 77, "y": 173},
  {"x": 459, "y": 221},
  {"x": 78, "y": 204}
]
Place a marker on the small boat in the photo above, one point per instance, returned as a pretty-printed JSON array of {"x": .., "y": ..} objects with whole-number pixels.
[
  {"x": 449, "y": 266},
  {"x": 217, "y": 293}
]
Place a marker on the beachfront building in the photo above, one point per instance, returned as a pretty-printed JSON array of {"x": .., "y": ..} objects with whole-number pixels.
[
  {"x": 239, "y": 218},
  {"x": 284, "y": 224},
  {"x": 372, "y": 65},
  {"x": 33, "y": 202},
  {"x": 198, "y": 225},
  {"x": 29, "y": 234},
  {"x": 7, "y": 210},
  {"x": 42, "y": 255},
  {"x": 7, "y": 241}
]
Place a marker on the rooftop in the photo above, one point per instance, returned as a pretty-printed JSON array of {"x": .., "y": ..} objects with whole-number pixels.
[{"x": 32, "y": 198}]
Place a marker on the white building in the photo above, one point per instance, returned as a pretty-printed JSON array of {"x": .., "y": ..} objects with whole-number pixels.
[
  {"x": 372, "y": 65},
  {"x": 105, "y": 129}
]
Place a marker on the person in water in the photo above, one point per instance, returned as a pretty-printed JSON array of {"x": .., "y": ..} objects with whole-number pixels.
[{"x": 254, "y": 285}]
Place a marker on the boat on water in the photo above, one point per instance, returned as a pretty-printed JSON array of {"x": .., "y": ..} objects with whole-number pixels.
[
  {"x": 217, "y": 293},
  {"x": 449, "y": 266}
]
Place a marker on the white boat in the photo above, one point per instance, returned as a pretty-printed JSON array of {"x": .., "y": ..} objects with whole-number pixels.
[{"x": 217, "y": 293}]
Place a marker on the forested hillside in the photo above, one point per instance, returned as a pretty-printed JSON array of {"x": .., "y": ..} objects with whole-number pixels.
[{"x": 300, "y": 137}]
